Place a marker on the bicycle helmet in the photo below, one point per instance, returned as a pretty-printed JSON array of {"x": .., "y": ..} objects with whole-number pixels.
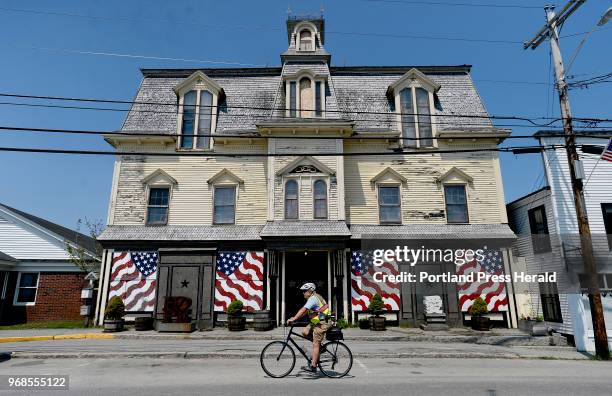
[{"x": 308, "y": 286}]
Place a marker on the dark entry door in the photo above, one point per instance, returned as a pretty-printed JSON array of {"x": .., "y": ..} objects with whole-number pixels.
[{"x": 299, "y": 269}]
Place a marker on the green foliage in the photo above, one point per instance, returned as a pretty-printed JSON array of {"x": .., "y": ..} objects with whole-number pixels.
[
  {"x": 343, "y": 323},
  {"x": 115, "y": 309},
  {"x": 235, "y": 308},
  {"x": 85, "y": 260},
  {"x": 376, "y": 305},
  {"x": 540, "y": 318},
  {"x": 478, "y": 308}
]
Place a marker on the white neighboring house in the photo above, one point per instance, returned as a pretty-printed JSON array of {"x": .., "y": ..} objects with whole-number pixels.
[
  {"x": 37, "y": 279},
  {"x": 546, "y": 225}
]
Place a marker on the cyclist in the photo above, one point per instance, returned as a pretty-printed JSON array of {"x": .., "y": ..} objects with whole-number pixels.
[{"x": 318, "y": 313}]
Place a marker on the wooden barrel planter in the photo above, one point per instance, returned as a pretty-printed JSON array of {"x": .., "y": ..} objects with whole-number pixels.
[
  {"x": 262, "y": 321},
  {"x": 481, "y": 323},
  {"x": 236, "y": 323},
  {"x": 143, "y": 323},
  {"x": 377, "y": 323}
]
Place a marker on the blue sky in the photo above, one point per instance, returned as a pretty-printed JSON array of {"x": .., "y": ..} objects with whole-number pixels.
[{"x": 37, "y": 60}]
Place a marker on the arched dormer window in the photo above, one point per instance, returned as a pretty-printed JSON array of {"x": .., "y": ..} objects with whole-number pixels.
[
  {"x": 320, "y": 199},
  {"x": 291, "y": 200},
  {"x": 198, "y": 99},
  {"x": 413, "y": 95},
  {"x": 305, "y": 93},
  {"x": 306, "y": 40}
]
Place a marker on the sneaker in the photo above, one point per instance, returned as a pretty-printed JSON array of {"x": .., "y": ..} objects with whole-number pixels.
[{"x": 309, "y": 369}]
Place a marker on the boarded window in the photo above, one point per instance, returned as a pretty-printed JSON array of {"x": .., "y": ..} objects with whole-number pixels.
[
  {"x": 291, "y": 200},
  {"x": 225, "y": 205},
  {"x": 306, "y": 40},
  {"x": 389, "y": 204},
  {"x": 157, "y": 208},
  {"x": 320, "y": 199},
  {"x": 306, "y": 98},
  {"x": 456, "y": 203},
  {"x": 539, "y": 229}
]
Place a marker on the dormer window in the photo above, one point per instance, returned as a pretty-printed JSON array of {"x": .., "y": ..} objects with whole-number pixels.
[
  {"x": 305, "y": 96},
  {"x": 413, "y": 97},
  {"x": 306, "y": 42},
  {"x": 198, "y": 100}
]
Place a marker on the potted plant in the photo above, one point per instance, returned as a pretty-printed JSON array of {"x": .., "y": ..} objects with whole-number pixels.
[
  {"x": 376, "y": 307},
  {"x": 477, "y": 312},
  {"x": 235, "y": 320},
  {"x": 176, "y": 315},
  {"x": 113, "y": 315},
  {"x": 364, "y": 323}
]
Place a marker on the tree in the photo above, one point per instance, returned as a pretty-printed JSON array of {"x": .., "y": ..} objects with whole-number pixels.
[{"x": 80, "y": 256}]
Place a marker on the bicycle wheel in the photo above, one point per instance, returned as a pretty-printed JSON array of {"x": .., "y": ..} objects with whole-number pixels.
[
  {"x": 277, "y": 359},
  {"x": 335, "y": 360}
]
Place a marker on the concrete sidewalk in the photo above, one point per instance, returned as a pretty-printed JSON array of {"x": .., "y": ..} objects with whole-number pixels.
[{"x": 507, "y": 337}]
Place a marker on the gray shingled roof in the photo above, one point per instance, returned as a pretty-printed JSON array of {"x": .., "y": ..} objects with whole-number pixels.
[
  {"x": 432, "y": 231},
  {"x": 181, "y": 233},
  {"x": 86, "y": 242},
  {"x": 308, "y": 228},
  {"x": 350, "y": 90}
]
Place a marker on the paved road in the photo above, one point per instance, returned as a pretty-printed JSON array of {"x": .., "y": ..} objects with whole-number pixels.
[
  {"x": 182, "y": 377},
  {"x": 250, "y": 348}
]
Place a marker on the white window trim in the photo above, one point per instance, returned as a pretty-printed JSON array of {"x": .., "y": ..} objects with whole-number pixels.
[
  {"x": 298, "y": 104},
  {"x": 224, "y": 185},
  {"x": 389, "y": 184},
  {"x": 198, "y": 88},
  {"x": 16, "y": 294},
  {"x": 327, "y": 188},
  {"x": 286, "y": 180},
  {"x": 467, "y": 199},
  {"x": 148, "y": 193},
  {"x": 398, "y": 105}
]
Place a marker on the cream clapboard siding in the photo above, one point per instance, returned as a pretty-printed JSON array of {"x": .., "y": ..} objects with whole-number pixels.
[
  {"x": 305, "y": 182},
  {"x": 25, "y": 242},
  {"x": 552, "y": 261},
  {"x": 191, "y": 200},
  {"x": 422, "y": 195},
  {"x": 598, "y": 190}
]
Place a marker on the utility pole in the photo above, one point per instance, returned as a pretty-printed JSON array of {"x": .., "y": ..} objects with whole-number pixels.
[{"x": 550, "y": 30}]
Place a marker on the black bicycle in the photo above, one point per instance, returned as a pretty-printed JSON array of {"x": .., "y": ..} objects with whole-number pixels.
[{"x": 278, "y": 357}]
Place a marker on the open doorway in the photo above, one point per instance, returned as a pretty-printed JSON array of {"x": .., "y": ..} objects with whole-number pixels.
[{"x": 302, "y": 267}]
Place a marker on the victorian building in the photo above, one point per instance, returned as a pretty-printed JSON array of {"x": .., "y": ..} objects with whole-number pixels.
[{"x": 243, "y": 183}]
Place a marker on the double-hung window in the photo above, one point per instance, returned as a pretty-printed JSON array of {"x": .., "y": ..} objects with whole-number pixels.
[
  {"x": 27, "y": 285},
  {"x": 389, "y": 207},
  {"x": 196, "y": 125},
  {"x": 320, "y": 199},
  {"x": 157, "y": 207},
  {"x": 539, "y": 229},
  {"x": 456, "y": 203},
  {"x": 291, "y": 200},
  {"x": 224, "y": 205},
  {"x": 416, "y": 117}
]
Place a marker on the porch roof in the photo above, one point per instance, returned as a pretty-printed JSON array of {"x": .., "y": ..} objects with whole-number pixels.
[
  {"x": 7, "y": 261},
  {"x": 310, "y": 228},
  {"x": 432, "y": 231},
  {"x": 181, "y": 233}
]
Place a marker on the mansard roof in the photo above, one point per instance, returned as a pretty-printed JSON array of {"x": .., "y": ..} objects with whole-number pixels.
[{"x": 356, "y": 93}]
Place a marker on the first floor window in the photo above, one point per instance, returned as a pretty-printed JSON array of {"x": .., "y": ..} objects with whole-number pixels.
[
  {"x": 539, "y": 229},
  {"x": 456, "y": 203},
  {"x": 157, "y": 208},
  {"x": 27, "y": 283},
  {"x": 551, "y": 307},
  {"x": 225, "y": 205},
  {"x": 389, "y": 204},
  {"x": 606, "y": 208}
]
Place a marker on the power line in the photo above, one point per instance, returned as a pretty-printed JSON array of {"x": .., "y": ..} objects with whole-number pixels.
[
  {"x": 264, "y": 108},
  {"x": 453, "y": 4},
  {"x": 265, "y": 155}
]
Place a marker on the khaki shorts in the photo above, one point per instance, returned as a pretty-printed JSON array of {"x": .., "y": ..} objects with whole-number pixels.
[{"x": 317, "y": 332}]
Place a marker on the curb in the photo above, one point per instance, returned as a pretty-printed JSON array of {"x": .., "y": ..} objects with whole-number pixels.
[
  {"x": 251, "y": 355},
  {"x": 91, "y": 336}
]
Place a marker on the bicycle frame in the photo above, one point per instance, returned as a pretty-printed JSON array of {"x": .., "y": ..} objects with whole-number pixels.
[{"x": 295, "y": 344}]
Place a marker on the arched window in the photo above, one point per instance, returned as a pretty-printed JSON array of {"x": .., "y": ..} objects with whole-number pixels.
[
  {"x": 306, "y": 98},
  {"x": 205, "y": 119},
  {"x": 306, "y": 40},
  {"x": 291, "y": 200},
  {"x": 416, "y": 116},
  {"x": 189, "y": 115},
  {"x": 320, "y": 199},
  {"x": 408, "y": 127}
]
